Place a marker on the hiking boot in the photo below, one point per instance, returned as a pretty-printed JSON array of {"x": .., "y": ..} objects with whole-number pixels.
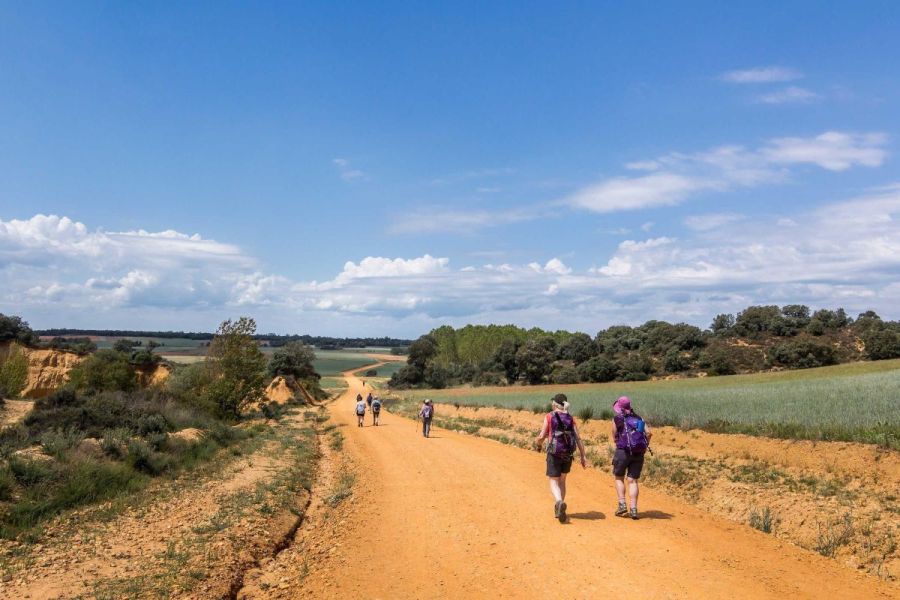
[
  {"x": 622, "y": 510},
  {"x": 556, "y": 509},
  {"x": 634, "y": 513},
  {"x": 562, "y": 512}
]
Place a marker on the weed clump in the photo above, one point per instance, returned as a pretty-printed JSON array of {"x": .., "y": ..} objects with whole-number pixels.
[{"x": 762, "y": 520}]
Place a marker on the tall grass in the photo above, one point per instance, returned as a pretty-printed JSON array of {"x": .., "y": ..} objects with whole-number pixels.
[{"x": 822, "y": 404}]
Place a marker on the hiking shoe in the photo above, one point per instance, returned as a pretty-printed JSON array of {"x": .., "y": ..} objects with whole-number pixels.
[
  {"x": 622, "y": 510},
  {"x": 556, "y": 509},
  {"x": 562, "y": 512},
  {"x": 634, "y": 513}
]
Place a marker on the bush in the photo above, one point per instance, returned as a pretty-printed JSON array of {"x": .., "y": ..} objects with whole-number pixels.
[
  {"x": 294, "y": 359},
  {"x": 238, "y": 368},
  {"x": 489, "y": 378},
  {"x": 564, "y": 375},
  {"x": 151, "y": 423},
  {"x": 407, "y": 377},
  {"x": 114, "y": 442},
  {"x": 597, "y": 370},
  {"x": 883, "y": 344},
  {"x": 57, "y": 441},
  {"x": 7, "y": 483},
  {"x": 143, "y": 458},
  {"x": 675, "y": 361},
  {"x": 803, "y": 355},
  {"x": 14, "y": 329},
  {"x": 104, "y": 371},
  {"x": 30, "y": 472},
  {"x": 14, "y": 373},
  {"x": 586, "y": 413},
  {"x": 716, "y": 361},
  {"x": 372, "y": 373}
]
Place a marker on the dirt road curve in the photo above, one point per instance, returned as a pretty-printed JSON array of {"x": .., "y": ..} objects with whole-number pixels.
[{"x": 456, "y": 516}]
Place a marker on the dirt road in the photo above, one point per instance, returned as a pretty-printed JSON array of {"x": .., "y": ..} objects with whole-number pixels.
[{"x": 458, "y": 516}]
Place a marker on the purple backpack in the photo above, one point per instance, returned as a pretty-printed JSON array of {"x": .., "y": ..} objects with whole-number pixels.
[
  {"x": 562, "y": 443},
  {"x": 632, "y": 437}
]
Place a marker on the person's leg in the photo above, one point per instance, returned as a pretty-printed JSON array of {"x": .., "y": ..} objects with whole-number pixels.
[
  {"x": 633, "y": 492},
  {"x": 562, "y": 486},
  {"x": 620, "y": 488},
  {"x": 554, "y": 489}
]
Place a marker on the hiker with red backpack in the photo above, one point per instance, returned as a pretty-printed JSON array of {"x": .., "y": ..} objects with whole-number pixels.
[
  {"x": 562, "y": 437},
  {"x": 632, "y": 440},
  {"x": 426, "y": 413}
]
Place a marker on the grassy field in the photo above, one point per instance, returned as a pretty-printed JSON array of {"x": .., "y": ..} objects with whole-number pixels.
[
  {"x": 335, "y": 362},
  {"x": 851, "y": 402}
]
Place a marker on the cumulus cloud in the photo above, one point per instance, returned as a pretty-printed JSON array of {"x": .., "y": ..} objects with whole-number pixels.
[
  {"x": 773, "y": 74},
  {"x": 840, "y": 253}
]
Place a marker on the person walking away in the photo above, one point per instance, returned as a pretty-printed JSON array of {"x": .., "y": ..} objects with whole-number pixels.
[
  {"x": 426, "y": 413},
  {"x": 376, "y": 410},
  {"x": 560, "y": 430},
  {"x": 360, "y": 411},
  {"x": 632, "y": 438},
  {"x": 369, "y": 400}
]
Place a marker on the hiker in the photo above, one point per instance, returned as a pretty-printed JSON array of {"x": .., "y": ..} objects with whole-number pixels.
[
  {"x": 426, "y": 413},
  {"x": 376, "y": 410},
  {"x": 369, "y": 400},
  {"x": 632, "y": 440},
  {"x": 360, "y": 411},
  {"x": 358, "y": 397},
  {"x": 562, "y": 434}
]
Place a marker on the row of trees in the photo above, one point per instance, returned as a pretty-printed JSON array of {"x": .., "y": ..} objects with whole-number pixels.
[{"x": 760, "y": 337}]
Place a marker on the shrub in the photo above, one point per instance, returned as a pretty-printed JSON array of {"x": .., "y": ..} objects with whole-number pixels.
[
  {"x": 564, "y": 375},
  {"x": 489, "y": 378},
  {"x": 716, "y": 361},
  {"x": 14, "y": 373},
  {"x": 57, "y": 441},
  {"x": 803, "y": 355},
  {"x": 14, "y": 329},
  {"x": 883, "y": 344},
  {"x": 104, "y": 371},
  {"x": 675, "y": 361},
  {"x": 537, "y": 409},
  {"x": 762, "y": 520},
  {"x": 294, "y": 359},
  {"x": 238, "y": 368},
  {"x": 372, "y": 373},
  {"x": 29, "y": 472},
  {"x": 7, "y": 483},
  {"x": 151, "y": 423},
  {"x": 597, "y": 370},
  {"x": 586, "y": 413},
  {"x": 142, "y": 458},
  {"x": 114, "y": 442}
]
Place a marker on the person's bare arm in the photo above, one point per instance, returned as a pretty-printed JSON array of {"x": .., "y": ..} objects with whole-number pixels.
[
  {"x": 580, "y": 446},
  {"x": 539, "y": 440}
]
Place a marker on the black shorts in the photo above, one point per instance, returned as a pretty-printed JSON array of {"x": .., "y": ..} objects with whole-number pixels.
[
  {"x": 624, "y": 462},
  {"x": 557, "y": 466}
]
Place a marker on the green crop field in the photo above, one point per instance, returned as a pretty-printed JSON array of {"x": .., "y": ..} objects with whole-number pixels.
[
  {"x": 851, "y": 402},
  {"x": 335, "y": 362}
]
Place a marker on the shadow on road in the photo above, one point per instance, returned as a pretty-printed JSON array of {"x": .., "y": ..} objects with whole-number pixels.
[
  {"x": 655, "y": 514},
  {"x": 591, "y": 515}
]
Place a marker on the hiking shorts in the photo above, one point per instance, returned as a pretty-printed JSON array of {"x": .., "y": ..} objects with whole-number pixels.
[
  {"x": 625, "y": 462},
  {"x": 556, "y": 465}
]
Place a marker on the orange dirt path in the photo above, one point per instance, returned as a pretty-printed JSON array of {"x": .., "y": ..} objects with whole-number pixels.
[{"x": 457, "y": 516}]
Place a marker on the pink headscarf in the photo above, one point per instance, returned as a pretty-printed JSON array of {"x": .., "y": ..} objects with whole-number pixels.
[{"x": 622, "y": 405}]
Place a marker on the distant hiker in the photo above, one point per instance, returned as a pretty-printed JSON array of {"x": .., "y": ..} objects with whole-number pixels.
[
  {"x": 376, "y": 410},
  {"x": 360, "y": 411},
  {"x": 426, "y": 413},
  {"x": 369, "y": 399},
  {"x": 563, "y": 439},
  {"x": 632, "y": 438}
]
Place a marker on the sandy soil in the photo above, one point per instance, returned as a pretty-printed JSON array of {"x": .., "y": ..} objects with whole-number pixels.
[
  {"x": 460, "y": 516},
  {"x": 14, "y": 411}
]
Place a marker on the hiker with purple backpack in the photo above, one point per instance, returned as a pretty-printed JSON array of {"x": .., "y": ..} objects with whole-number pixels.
[
  {"x": 426, "y": 413},
  {"x": 632, "y": 440},
  {"x": 562, "y": 437}
]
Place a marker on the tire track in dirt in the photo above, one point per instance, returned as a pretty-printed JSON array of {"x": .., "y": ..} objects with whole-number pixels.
[{"x": 458, "y": 516}]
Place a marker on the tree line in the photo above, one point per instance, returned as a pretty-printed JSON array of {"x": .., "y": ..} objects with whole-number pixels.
[
  {"x": 273, "y": 339},
  {"x": 755, "y": 339}
]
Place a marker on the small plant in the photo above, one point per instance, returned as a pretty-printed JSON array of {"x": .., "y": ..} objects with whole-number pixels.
[
  {"x": 519, "y": 408},
  {"x": 342, "y": 491},
  {"x": 456, "y": 405},
  {"x": 114, "y": 442},
  {"x": 834, "y": 535},
  {"x": 29, "y": 472},
  {"x": 56, "y": 441},
  {"x": 7, "y": 483},
  {"x": 337, "y": 441},
  {"x": 762, "y": 520},
  {"x": 586, "y": 413},
  {"x": 538, "y": 409},
  {"x": 143, "y": 458}
]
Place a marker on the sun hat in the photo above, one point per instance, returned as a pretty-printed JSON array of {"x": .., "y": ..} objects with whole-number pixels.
[
  {"x": 621, "y": 405},
  {"x": 427, "y": 400}
]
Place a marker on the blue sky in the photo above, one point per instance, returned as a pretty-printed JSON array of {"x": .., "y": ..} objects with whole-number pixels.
[{"x": 383, "y": 168}]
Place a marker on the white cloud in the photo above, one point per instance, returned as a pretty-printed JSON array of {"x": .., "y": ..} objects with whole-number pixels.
[
  {"x": 773, "y": 74},
  {"x": 789, "y": 95},
  {"x": 710, "y": 221},
  {"x": 630, "y": 193},
  {"x": 347, "y": 172},
  {"x": 832, "y": 150},
  {"x": 841, "y": 253}
]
